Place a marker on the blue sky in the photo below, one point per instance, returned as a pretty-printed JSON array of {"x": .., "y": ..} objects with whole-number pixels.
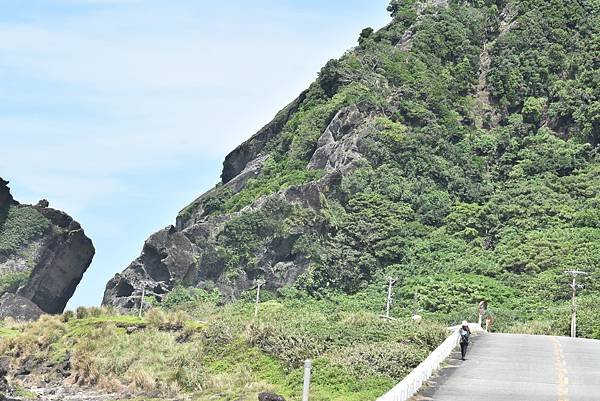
[{"x": 120, "y": 112}]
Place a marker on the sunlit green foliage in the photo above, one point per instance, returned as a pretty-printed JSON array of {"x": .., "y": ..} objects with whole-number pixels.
[
  {"x": 449, "y": 208},
  {"x": 464, "y": 191},
  {"x": 10, "y": 282},
  {"x": 18, "y": 225}
]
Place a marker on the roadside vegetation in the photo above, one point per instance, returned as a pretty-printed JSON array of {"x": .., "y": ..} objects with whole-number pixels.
[{"x": 200, "y": 350}]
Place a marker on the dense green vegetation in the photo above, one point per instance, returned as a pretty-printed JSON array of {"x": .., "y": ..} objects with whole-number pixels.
[
  {"x": 465, "y": 192},
  {"x": 19, "y": 225},
  {"x": 10, "y": 282}
]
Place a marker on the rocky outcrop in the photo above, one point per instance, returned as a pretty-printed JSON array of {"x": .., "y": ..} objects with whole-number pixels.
[
  {"x": 192, "y": 252},
  {"x": 338, "y": 146},
  {"x": 192, "y": 256},
  {"x": 44, "y": 266},
  {"x": 6, "y": 198},
  {"x": 236, "y": 161},
  {"x": 18, "y": 308}
]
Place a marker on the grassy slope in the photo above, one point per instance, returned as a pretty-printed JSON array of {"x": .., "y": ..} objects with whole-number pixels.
[{"x": 228, "y": 353}]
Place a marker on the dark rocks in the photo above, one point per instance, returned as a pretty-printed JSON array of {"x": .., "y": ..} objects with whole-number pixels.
[
  {"x": 43, "y": 203},
  {"x": 270, "y": 397},
  {"x": 18, "y": 308},
  {"x": 28, "y": 366},
  {"x": 168, "y": 257},
  {"x": 236, "y": 161},
  {"x": 190, "y": 252},
  {"x": 4, "y": 369},
  {"x": 192, "y": 256},
  {"x": 6, "y": 391},
  {"x": 55, "y": 261},
  {"x": 63, "y": 260},
  {"x": 193, "y": 252},
  {"x": 4, "y": 366},
  {"x": 6, "y": 198}
]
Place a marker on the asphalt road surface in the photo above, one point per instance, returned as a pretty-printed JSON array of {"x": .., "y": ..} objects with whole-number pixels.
[{"x": 513, "y": 367}]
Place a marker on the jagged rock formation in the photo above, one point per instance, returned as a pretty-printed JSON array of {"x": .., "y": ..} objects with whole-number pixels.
[
  {"x": 433, "y": 131},
  {"x": 237, "y": 161},
  {"x": 43, "y": 256},
  {"x": 188, "y": 253}
]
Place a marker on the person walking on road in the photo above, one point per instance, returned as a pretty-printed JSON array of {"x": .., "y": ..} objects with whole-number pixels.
[{"x": 464, "y": 333}]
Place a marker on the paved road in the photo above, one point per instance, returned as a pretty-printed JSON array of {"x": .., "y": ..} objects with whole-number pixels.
[{"x": 502, "y": 367}]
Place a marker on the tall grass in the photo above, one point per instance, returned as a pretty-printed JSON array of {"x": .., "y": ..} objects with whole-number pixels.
[{"x": 231, "y": 355}]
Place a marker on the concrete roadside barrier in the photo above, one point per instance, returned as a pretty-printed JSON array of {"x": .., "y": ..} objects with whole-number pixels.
[{"x": 413, "y": 382}]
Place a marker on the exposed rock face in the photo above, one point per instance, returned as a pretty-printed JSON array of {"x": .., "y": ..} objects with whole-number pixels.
[
  {"x": 5, "y": 389},
  {"x": 18, "y": 308},
  {"x": 6, "y": 198},
  {"x": 236, "y": 161},
  {"x": 338, "y": 146},
  {"x": 45, "y": 265},
  {"x": 190, "y": 252}
]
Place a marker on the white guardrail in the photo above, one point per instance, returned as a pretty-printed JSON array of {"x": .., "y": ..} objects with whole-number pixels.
[{"x": 412, "y": 383}]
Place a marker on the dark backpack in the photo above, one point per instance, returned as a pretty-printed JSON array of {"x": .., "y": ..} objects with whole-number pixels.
[{"x": 464, "y": 336}]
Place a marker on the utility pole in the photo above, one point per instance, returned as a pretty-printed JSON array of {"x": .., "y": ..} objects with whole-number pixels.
[
  {"x": 259, "y": 284},
  {"x": 574, "y": 288},
  {"x": 388, "y": 305},
  {"x": 389, "y": 298},
  {"x": 142, "y": 300}
]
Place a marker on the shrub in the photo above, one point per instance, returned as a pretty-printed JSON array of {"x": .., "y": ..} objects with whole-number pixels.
[
  {"x": 187, "y": 297},
  {"x": 81, "y": 312},
  {"x": 21, "y": 225},
  {"x": 391, "y": 359},
  {"x": 10, "y": 282},
  {"x": 67, "y": 315},
  {"x": 162, "y": 320}
]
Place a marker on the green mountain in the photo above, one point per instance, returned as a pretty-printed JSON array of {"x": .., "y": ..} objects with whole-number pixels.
[{"x": 456, "y": 150}]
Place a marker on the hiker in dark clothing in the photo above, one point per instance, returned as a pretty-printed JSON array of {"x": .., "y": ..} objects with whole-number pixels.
[{"x": 464, "y": 333}]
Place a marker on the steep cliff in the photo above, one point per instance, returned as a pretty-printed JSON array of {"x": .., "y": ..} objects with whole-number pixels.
[
  {"x": 457, "y": 145},
  {"x": 43, "y": 256}
]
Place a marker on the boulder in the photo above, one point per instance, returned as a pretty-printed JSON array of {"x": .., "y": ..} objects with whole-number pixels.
[
  {"x": 18, "y": 308},
  {"x": 265, "y": 396}
]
